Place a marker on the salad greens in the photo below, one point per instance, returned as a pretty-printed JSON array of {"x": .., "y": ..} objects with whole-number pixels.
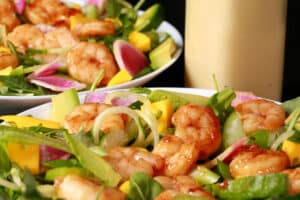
[{"x": 85, "y": 157}]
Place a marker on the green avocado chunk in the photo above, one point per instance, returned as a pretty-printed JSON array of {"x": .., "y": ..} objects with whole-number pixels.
[
  {"x": 63, "y": 104},
  {"x": 177, "y": 99},
  {"x": 150, "y": 19},
  {"x": 52, "y": 174},
  {"x": 163, "y": 53}
]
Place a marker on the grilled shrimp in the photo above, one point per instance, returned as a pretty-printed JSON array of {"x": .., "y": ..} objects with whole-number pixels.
[
  {"x": 254, "y": 160},
  {"x": 25, "y": 36},
  {"x": 180, "y": 185},
  {"x": 128, "y": 160},
  {"x": 73, "y": 187},
  {"x": 261, "y": 114},
  {"x": 294, "y": 180},
  {"x": 52, "y": 12},
  {"x": 86, "y": 59},
  {"x": 8, "y": 59},
  {"x": 83, "y": 117},
  {"x": 93, "y": 28},
  {"x": 179, "y": 156},
  {"x": 8, "y": 15},
  {"x": 198, "y": 124}
]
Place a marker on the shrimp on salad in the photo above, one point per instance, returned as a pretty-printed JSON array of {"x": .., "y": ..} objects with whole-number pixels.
[
  {"x": 199, "y": 124},
  {"x": 254, "y": 160},
  {"x": 180, "y": 185},
  {"x": 8, "y": 16},
  {"x": 25, "y": 36},
  {"x": 94, "y": 28},
  {"x": 74, "y": 187},
  {"x": 128, "y": 160},
  {"x": 84, "y": 115},
  {"x": 8, "y": 59},
  {"x": 51, "y": 12},
  {"x": 260, "y": 114},
  {"x": 294, "y": 180},
  {"x": 85, "y": 61}
]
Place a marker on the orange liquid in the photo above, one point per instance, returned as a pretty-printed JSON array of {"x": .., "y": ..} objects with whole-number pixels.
[{"x": 240, "y": 42}]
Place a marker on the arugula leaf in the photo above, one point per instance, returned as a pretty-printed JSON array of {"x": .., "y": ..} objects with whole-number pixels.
[
  {"x": 253, "y": 187},
  {"x": 16, "y": 84},
  {"x": 5, "y": 164},
  {"x": 143, "y": 187},
  {"x": 30, "y": 184},
  {"x": 221, "y": 103}
]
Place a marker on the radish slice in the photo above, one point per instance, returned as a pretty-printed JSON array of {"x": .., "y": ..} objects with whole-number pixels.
[
  {"x": 48, "y": 153},
  {"x": 242, "y": 97},
  {"x": 100, "y": 97},
  {"x": 57, "y": 83},
  {"x": 20, "y": 5},
  {"x": 129, "y": 58},
  {"x": 46, "y": 70}
]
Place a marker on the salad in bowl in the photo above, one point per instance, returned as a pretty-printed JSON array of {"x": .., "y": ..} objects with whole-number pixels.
[
  {"x": 50, "y": 46},
  {"x": 158, "y": 143}
]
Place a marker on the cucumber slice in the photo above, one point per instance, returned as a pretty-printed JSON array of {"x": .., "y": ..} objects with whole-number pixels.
[{"x": 150, "y": 19}]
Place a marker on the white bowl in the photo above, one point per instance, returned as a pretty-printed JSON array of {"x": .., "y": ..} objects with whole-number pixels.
[{"x": 15, "y": 104}]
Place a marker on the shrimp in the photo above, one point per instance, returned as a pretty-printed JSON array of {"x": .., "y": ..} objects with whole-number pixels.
[
  {"x": 260, "y": 114},
  {"x": 294, "y": 180},
  {"x": 8, "y": 15},
  {"x": 128, "y": 160},
  {"x": 94, "y": 28},
  {"x": 59, "y": 37},
  {"x": 52, "y": 12},
  {"x": 254, "y": 160},
  {"x": 74, "y": 187},
  {"x": 86, "y": 59},
  {"x": 8, "y": 59},
  {"x": 25, "y": 36},
  {"x": 198, "y": 124},
  {"x": 180, "y": 185},
  {"x": 83, "y": 117},
  {"x": 179, "y": 156}
]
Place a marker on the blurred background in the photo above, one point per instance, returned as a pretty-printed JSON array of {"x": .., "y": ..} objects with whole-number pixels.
[{"x": 174, "y": 76}]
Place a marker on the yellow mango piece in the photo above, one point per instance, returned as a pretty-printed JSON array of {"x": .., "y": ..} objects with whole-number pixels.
[
  {"x": 292, "y": 150},
  {"x": 26, "y": 155},
  {"x": 165, "y": 108},
  {"x": 140, "y": 40},
  {"x": 77, "y": 19},
  {"x": 125, "y": 187},
  {"x": 121, "y": 77},
  {"x": 6, "y": 71},
  {"x": 4, "y": 49},
  {"x": 27, "y": 121}
]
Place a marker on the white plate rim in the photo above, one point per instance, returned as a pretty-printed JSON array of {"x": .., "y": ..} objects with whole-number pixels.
[{"x": 44, "y": 111}]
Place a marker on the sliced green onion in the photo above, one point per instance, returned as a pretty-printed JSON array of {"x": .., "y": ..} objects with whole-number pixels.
[
  {"x": 204, "y": 175},
  {"x": 97, "y": 80}
]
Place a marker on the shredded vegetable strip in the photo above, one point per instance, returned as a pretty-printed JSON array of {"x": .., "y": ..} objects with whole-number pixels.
[{"x": 116, "y": 110}]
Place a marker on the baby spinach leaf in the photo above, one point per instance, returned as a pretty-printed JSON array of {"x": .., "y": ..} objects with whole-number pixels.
[
  {"x": 253, "y": 187},
  {"x": 143, "y": 187},
  {"x": 261, "y": 138}
]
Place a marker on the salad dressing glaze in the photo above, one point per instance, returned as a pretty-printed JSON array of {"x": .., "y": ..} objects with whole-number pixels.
[{"x": 241, "y": 42}]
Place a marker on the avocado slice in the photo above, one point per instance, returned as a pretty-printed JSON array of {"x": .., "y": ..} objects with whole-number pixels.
[
  {"x": 162, "y": 54},
  {"x": 150, "y": 19},
  {"x": 63, "y": 104},
  {"x": 177, "y": 99},
  {"x": 52, "y": 174}
]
